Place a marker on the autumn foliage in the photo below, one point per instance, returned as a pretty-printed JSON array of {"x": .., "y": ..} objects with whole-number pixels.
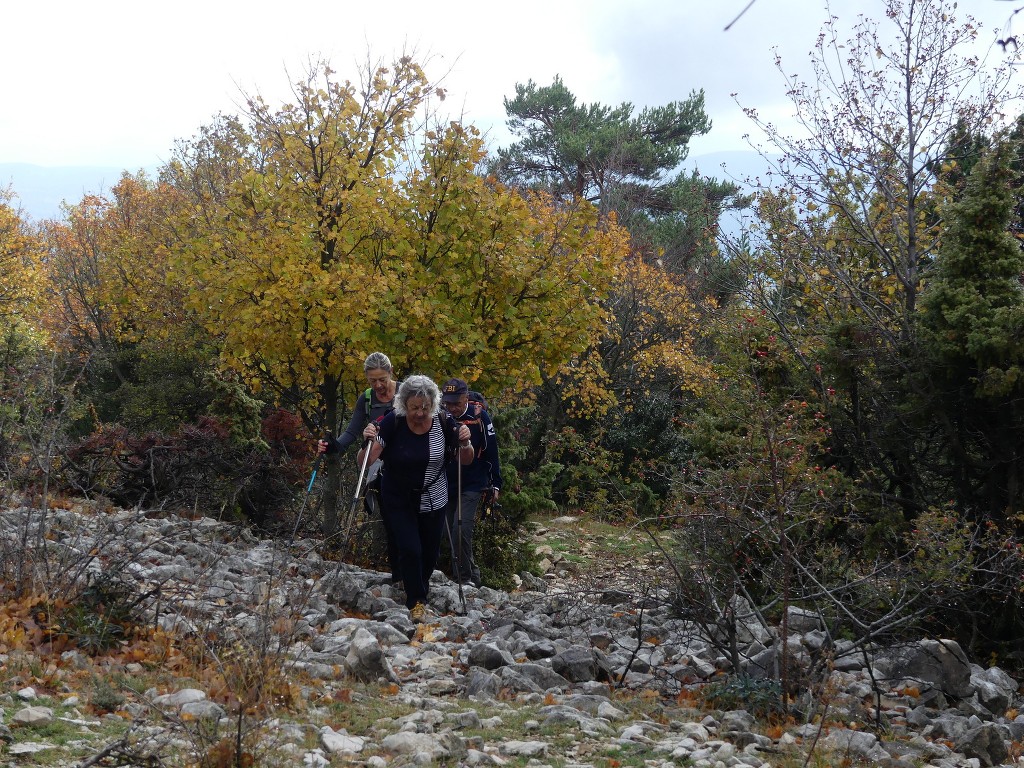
[
  {"x": 337, "y": 229},
  {"x": 850, "y": 363}
]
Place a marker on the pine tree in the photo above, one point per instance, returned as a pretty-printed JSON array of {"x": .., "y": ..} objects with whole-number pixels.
[{"x": 973, "y": 337}]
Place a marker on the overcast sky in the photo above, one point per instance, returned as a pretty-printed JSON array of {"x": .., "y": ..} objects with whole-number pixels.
[{"x": 115, "y": 83}]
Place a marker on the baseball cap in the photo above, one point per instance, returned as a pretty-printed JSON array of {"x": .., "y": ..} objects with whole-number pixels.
[{"x": 453, "y": 389}]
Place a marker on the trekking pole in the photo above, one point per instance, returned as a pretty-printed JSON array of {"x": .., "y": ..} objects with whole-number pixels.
[
  {"x": 457, "y": 566},
  {"x": 458, "y": 524},
  {"x": 355, "y": 500},
  {"x": 305, "y": 500},
  {"x": 458, "y": 512}
]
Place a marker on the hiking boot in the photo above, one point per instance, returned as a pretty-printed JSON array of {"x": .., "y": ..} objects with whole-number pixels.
[{"x": 416, "y": 612}]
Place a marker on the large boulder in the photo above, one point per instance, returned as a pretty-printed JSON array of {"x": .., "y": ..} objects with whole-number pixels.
[
  {"x": 366, "y": 660},
  {"x": 939, "y": 664},
  {"x": 749, "y": 627},
  {"x": 801, "y": 620},
  {"x": 579, "y": 664},
  {"x": 859, "y": 743},
  {"x": 984, "y": 743},
  {"x": 482, "y": 684},
  {"x": 994, "y": 687},
  {"x": 490, "y": 656}
]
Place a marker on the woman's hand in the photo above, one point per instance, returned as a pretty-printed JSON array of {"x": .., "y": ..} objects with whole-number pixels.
[
  {"x": 370, "y": 431},
  {"x": 322, "y": 446}
]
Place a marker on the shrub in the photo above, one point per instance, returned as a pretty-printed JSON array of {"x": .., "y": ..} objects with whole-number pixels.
[
  {"x": 503, "y": 548},
  {"x": 105, "y": 698},
  {"x": 198, "y": 466},
  {"x": 597, "y": 481},
  {"x": 148, "y": 388},
  {"x": 101, "y": 614},
  {"x": 761, "y": 698}
]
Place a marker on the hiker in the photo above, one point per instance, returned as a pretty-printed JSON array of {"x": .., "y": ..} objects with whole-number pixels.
[
  {"x": 381, "y": 396},
  {"x": 371, "y": 405},
  {"x": 481, "y": 478},
  {"x": 416, "y": 441}
]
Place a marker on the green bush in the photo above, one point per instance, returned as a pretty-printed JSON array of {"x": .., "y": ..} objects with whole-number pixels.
[
  {"x": 199, "y": 466},
  {"x": 37, "y": 398},
  {"x": 502, "y": 545},
  {"x": 104, "y": 697},
  {"x": 501, "y": 541},
  {"x": 598, "y": 481},
  {"x": 761, "y": 698}
]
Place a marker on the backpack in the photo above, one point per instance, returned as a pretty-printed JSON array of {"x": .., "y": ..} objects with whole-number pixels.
[
  {"x": 367, "y": 401},
  {"x": 475, "y": 398}
]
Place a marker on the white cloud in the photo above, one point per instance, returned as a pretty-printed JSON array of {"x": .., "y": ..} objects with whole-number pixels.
[{"x": 115, "y": 83}]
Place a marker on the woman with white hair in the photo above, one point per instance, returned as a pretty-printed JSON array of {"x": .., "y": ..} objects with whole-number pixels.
[{"x": 416, "y": 441}]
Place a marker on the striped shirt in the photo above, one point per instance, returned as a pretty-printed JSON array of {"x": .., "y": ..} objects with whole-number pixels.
[{"x": 414, "y": 465}]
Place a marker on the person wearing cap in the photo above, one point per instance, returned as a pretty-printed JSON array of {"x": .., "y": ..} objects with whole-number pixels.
[{"x": 483, "y": 475}]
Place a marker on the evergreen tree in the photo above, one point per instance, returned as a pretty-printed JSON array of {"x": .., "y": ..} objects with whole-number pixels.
[
  {"x": 973, "y": 336},
  {"x": 852, "y": 225},
  {"x": 584, "y": 150},
  {"x": 624, "y": 162},
  {"x": 627, "y": 163}
]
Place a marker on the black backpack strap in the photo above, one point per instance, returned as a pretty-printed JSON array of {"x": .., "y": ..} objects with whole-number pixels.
[
  {"x": 473, "y": 417},
  {"x": 450, "y": 428}
]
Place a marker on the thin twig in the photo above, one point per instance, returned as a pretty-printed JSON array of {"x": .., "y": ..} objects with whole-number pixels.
[
  {"x": 116, "y": 746},
  {"x": 727, "y": 26}
]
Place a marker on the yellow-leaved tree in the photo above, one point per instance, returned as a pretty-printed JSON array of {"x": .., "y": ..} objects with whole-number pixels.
[
  {"x": 107, "y": 271},
  {"x": 349, "y": 221},
  {"x": 19, "y": 260}
]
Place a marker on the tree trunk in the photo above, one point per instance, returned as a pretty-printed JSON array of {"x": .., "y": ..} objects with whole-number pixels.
[
  {"x": 331, "y": 395},
  {"x": 331, "y": 494}
]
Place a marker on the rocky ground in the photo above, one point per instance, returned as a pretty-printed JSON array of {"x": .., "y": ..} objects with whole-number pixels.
[{"x": 246, "y": 652}]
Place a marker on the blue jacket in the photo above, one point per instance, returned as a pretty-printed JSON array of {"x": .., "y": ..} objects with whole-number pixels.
[{"x": 485, "y": 471}]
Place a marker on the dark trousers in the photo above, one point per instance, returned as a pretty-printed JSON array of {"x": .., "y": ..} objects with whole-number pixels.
[
  {"x": 416, "y": 541},
  {"x": 464, "y": 567}
]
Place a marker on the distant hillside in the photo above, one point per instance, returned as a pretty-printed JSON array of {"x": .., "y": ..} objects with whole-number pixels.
[{"x": 41, "y": 190}]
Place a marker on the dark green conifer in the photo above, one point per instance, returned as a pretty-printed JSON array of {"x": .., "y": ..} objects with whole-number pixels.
[{"x": 973, "y": 338}]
